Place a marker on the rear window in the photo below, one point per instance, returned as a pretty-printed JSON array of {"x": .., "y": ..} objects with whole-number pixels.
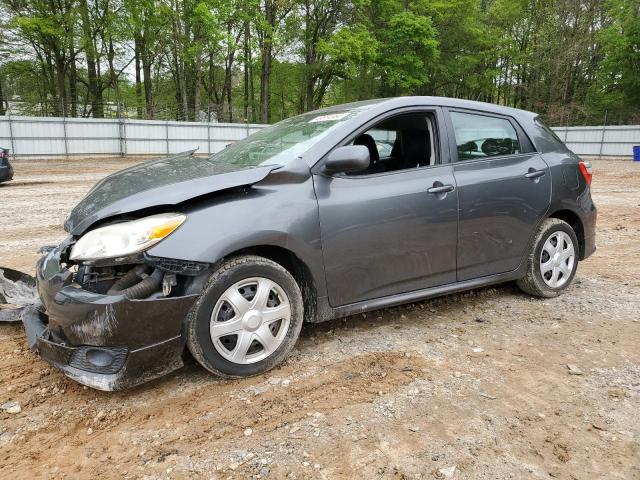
[
  {"x": 547, "y": 129},
  {"x": 479, "y": 136},
  {"x": 546, "y": 139}
]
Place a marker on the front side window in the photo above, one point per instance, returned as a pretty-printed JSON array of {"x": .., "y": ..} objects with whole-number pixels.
[
  {"x": 479, "y": 136},
  {"x": 399, "y": 143}
]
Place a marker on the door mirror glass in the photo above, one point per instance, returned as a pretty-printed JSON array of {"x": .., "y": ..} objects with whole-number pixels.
[{"x": 351, "y": 158}]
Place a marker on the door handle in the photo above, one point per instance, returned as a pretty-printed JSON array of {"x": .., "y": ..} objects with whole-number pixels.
[
  {"x": 535, "y": 173},
  {"x": 440, "y": 188}
]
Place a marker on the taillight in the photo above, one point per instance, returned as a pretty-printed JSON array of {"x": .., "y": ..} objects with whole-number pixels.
[{"x": 587, "y": 171}]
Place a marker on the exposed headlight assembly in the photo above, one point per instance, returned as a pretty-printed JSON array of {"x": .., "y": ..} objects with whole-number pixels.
[{"x": 127, "y": 238}]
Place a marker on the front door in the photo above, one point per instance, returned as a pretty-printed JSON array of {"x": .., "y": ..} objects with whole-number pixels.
[
  {"x": 503, "y": 190},
  {"x": 391, "y": 229}
]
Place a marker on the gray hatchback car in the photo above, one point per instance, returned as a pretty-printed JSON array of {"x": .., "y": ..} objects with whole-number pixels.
[{"x": 305, "y": 221}]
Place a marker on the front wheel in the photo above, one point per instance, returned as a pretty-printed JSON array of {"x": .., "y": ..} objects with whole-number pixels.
[
  {"x": 247, "y": 319},
  {"x": 553, "y": 260}
]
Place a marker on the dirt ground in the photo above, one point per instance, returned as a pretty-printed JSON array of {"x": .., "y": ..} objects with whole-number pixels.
[{"x": 466, "y": 386}]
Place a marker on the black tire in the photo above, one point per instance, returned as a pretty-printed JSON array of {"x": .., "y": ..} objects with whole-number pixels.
[
  {"x": 533, "y": 282},
  {"x": 234, "y": 270}
]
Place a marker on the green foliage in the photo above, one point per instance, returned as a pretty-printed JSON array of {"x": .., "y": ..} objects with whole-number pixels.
[
  {"x": 574, "y": 61},
  {"x": 620, "y": 66},
  {"x": 408, "y": 46},
  {"x": 350, "y": 50}
]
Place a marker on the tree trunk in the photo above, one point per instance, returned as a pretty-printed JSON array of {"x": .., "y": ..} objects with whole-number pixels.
[
  {"x": 3, "y": 110},
  {"x": 94, "y": 89},
  {"x": 228, "y": 76},
  {"x": 267, "y": 52},
  {"x": 113, "y": 79},
  {"x": 137, "y": 46},
  {"x": 247, "y": 60},
  {"x": 73, "y": 85},
  {"x": 252, "y": 92},
  {"x": 61, "y": 85},
  {"x": 148, "y": 85},
  {"x": 73, "y": 79},
  {"x": 265, "y": 80}
]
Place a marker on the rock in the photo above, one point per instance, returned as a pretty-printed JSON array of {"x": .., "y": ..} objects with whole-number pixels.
[
  {"x": 413, "y": 428},
  {"x": 477, "y": 350},
  {"x": 11, "y": 407},
  {"x": 447, "y": 472},
  {"x": 574, "y": 370},
  {"x": 305, "y": 464},
  {"x": 274, "y": 381},
  {"x": 89, "y": 431},
  {"x": 286, "y": 382},
  {"x": 248, "y": 432}
]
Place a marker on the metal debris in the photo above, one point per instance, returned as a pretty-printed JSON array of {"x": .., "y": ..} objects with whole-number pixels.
[{"x": 17, "y": 290}]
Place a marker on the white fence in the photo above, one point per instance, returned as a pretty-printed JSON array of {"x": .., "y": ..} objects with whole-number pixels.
[
  {"x": 49, "y": 137},
  {"x": 613, "y": 141}
]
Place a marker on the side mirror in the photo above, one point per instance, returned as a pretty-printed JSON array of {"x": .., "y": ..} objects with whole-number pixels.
[{"x": 350, "y": 158}]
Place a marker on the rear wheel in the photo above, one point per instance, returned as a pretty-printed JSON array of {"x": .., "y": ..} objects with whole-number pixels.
[
  {"x": 553, "y": 260},
  {"x": 247, "y": 319}
]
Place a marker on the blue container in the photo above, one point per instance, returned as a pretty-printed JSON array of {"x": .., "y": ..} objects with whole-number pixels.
[{"x": 636, "y": 153}]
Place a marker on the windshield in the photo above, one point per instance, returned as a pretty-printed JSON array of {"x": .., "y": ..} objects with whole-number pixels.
[{"x": 286, "y": 140}]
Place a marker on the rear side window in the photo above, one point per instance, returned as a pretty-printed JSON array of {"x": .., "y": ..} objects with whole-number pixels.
[
  {"x": 479, "y": 136},
  {"x": 550, "y": 138}
]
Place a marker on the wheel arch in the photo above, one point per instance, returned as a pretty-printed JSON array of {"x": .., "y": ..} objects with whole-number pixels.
[
  {"x": 573, "y": 219},
  {"x": 298, "y": 269}
]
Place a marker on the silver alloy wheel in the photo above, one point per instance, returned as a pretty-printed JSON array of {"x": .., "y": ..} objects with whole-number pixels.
[
  {"x": 557, "y": 259},
  {"x": 250, "y": 320}
]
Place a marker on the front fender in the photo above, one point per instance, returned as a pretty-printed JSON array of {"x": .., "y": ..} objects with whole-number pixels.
[{"x": 285, "y": 216}]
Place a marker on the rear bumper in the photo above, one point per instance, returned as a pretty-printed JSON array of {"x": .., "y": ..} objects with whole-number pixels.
[
  {"x": 6, "y": 173},
  {"x": 107, "y": 342},
  {"x": 589, "y": 218},
  {"x": 589, "y": 246}
]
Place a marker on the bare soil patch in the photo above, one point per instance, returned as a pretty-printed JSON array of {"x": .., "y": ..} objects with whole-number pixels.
[{"x": 476, "y": 381}]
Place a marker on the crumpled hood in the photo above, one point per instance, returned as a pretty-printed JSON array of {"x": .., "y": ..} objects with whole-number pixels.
[{"x": 167, "y": 181}]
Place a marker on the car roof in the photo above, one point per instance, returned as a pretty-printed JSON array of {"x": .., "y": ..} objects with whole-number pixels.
[{"x": 409, "y": 101}]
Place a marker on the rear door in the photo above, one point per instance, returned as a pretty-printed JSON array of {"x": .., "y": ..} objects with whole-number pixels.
[{"x": 504, "y": 187}]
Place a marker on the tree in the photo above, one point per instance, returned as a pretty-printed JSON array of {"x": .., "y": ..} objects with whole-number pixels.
[{"x": 574, "y": 61}]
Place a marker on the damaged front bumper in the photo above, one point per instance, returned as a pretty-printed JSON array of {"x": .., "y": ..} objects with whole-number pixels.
[{"x": 107, "y": 342}]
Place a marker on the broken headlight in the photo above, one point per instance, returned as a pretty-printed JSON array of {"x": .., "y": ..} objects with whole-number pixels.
[{"x": 126, "y": 238}]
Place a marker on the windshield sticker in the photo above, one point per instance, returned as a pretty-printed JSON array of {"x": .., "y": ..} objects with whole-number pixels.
[{"x": 331, "y": 117}]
